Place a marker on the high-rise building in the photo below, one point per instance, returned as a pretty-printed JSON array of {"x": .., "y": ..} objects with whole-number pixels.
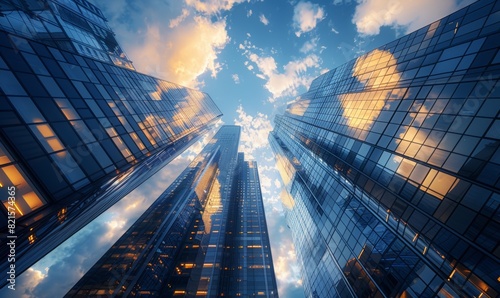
[
  {"x": 391, "y": 163},
  {"x": 205, "y": 236},
  {"x": 79, "y": 127}
]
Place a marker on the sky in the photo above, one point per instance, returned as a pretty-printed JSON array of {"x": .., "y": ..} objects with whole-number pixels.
[{"x": 252, "y": 57}]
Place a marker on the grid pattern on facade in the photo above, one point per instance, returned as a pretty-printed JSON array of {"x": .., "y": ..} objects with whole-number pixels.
[
  {"x": 77, "y": 26},
  {"x": 392, "y": 164},
  {"x": 247, "y": 264},
  {"x": 77, "y": 134},
  {"x": 185, "y": 243}
]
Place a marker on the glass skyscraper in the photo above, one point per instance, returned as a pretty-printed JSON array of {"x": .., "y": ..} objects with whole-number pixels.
[
  {"x": 205, "y": 236},
  {"x": 79, "y": 127},
  {"x": 391, "y": 164}
]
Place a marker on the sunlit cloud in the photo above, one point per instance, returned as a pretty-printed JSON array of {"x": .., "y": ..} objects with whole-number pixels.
[
  {"x": 306, "y": 16},
  {"x": 185, "y": 54},
  {"x": 174, "y": 42},
  {"x": 263, "y": 19},
  {"x": 212, "y": 6},
  {"x": 249, "y": 13},
  {"x": 371, "y": 15},
  {"x": 175, "y": 22}
]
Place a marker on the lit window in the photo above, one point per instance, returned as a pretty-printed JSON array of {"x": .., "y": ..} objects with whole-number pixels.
[
  {"x": 47, "y": 137},
  {"x": 27, "y": 199}
]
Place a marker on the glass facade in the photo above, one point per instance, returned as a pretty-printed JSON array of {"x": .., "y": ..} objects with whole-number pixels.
[
  {"x": 205, "y": 236},
  {"x": 247, "y": 261},
  {"x": 391, "y": 166},
  {"x": 77, "y": 26},
  {"x": 78, "y": 133}
]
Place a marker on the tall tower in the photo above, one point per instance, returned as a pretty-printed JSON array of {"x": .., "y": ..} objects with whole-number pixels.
[
  {"x": 205, "y": 236},
  {"x": 391, "y": 166},
  {"x": 247, "y": 262},
  {"x": 79, "y": 127}
]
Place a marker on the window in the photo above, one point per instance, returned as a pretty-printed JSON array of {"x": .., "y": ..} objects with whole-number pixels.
[{"x": 27, "y": 109}]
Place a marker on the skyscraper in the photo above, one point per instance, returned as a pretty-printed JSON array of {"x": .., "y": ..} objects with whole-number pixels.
[
  {"x": 79, "y": 127},
  {"x": 206, "y": 235},
  {"x": 391, "y": 166}
]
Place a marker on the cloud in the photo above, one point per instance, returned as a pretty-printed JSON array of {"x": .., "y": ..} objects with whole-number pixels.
[
  {"x": 179, "y": 50},
  {"x": 285, "y": 83},
  {"x": 236, "y": 78},
  {"x": 310, "y": 45},
  {"x": 185, "y": 53},
  {"x": 175, "y": 22},
  {"x": 263, "y": 19},
  {"x": 254, "y": 131},
  {"x": 212, "y": 6},
  {"x": 249, "y": 13},
  {"x": 371, "y": 15},
  {"x": 306, "y": 16}
]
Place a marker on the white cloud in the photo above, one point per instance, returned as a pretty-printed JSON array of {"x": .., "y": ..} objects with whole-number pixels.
[
  {"x": 309, "y": 45},
  {"x": 288, "y": 275},
  {"x": 335, "y": 31},
  {"x": 175, "y": 22},
  {"x": 254, "y": 131},
  {"x": 212, "y": 6},
  {"x": 265, "y": 184},
  {"x": 263, "y": 19},
  {"x": 293, "y": 76},
  {"x": 371, "y": 15},
  {"x": 277, "y": 183},
  {"x": 306, "y": 16},
  {"x": 236, "y": 78},
  {"x": 249, "y": 13}
]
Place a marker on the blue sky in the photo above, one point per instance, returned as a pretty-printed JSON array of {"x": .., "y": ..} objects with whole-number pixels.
[{"x": 252, "y": 57}]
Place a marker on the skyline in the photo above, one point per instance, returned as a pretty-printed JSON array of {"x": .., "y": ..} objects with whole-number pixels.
[
  {"x": 262, "y": 56},
  {"x": 205, "y": 235}
]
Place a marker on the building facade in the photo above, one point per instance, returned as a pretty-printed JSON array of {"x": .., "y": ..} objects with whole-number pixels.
[
  {"x": 79, "y": 127},
  {"x": 391, "y": 166},
  {"x": 205, "y": 236}
]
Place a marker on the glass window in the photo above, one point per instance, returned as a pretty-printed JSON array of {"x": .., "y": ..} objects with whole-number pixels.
[
  {"x": 99, "y": 154},
  {"x": 73, "y": 72},
  {"x": 68, "y": 166},
  {"x": 9, "y": 84},
  {"x": 51, "y": 86},
  {"x": 81, "y": 89},
  {"x": 27, "y": 109},
  {"x": 2, "y": 64},
  {"x": 36, "y": 64},
  {"x": 466, "y": 145},
  {"x": 47, "y": 137},
  {"x": 95, "y": 108},
  {"x": 27, "y": 198},
  {"x": 455, "y": 51},
  {"x": 446, "y": 66},
  {"x": 67, "y": 109}
]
